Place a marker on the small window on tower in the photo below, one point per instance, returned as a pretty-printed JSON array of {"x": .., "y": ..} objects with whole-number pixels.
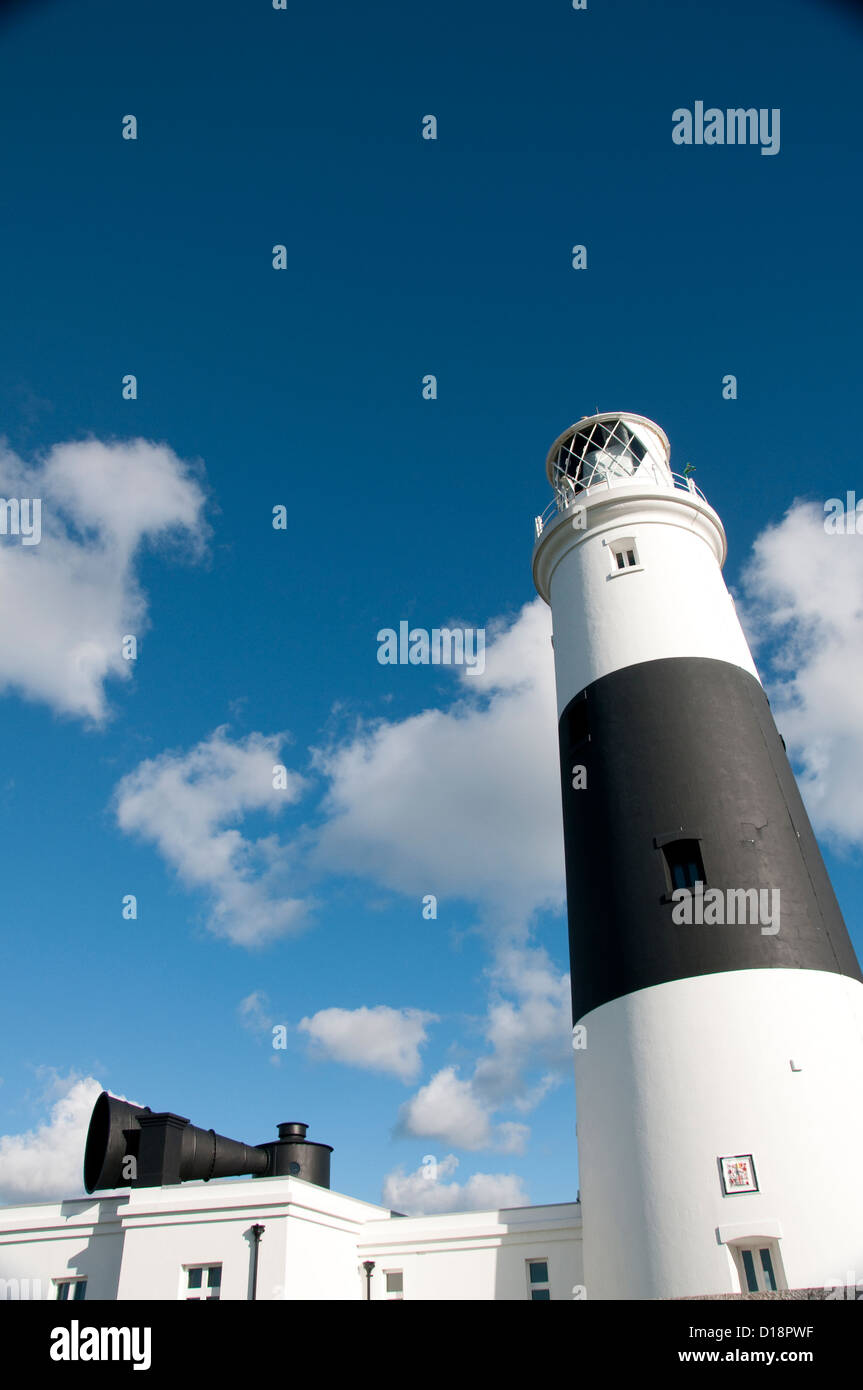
[
  {"x": 683, "y": 863},
  {"x": 624, "y": 555},
  {"x": 759, "y": 1266},
  {"x": 576, "y": 723}
]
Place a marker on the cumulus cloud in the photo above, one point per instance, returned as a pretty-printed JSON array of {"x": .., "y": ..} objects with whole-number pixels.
[
  {"x": 254, "y": 1012},
  {"x": 529, "y": 1030},
  {"x": 803, "y": 608},
  {"x": 46, "y": 1163},
  {"x": 424, "y": 1193},
  {"x": 376, "y": 1039},
  {"x": 69, "y": 600},
  {"x": 448, "y": 1108},
  {"x": 462, "y": 802},
  {"x": 189, "y": 805},
  {"x": 528, "y": 1027}
]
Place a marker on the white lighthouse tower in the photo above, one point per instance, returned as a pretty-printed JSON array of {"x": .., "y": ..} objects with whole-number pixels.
[{"x": 717, "y": 996}]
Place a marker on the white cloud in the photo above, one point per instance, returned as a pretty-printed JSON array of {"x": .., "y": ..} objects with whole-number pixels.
[
  {"x": 418, "y": 1194},
  {"x": 803, "y": 591},
  {"x": 189, "y": 804},
  {"x": 510, "y": 1137},
  {"x": 254, "y": 1012},
  {"x": 463, "y": 802},
  {"x": 46, "y": 1163},
  {"x": 69, "y": 600},
  {"x": 376, "y": 1039},
  {"x": 528, "y": 1025},
  {"x": 448, "y": 1108}
]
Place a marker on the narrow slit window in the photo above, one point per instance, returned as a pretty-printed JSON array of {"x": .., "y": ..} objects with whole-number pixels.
[
  {"x": 683, "y": 863},
  {"x": 749, "y": 1271},
  {"x": 577, "y": 724}
]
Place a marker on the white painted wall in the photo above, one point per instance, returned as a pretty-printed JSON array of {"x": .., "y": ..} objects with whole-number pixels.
[
  {"x": 675, "y": 1076},
  {"x": 675, "y": 604},
  {"x": 478, "y": 1255},
  {"x": 134, "y": 1244},
  {"x": 41, "y": 1242}
]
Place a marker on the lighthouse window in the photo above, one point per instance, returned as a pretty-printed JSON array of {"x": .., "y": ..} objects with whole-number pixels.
[
  {"x": 577, "y": 724},
  {"x": 604, "y": 449},
  {"x": 624, "y": 555},
  {"x": 757, "y": 1268},
  {"x": 683, "y": 863}
]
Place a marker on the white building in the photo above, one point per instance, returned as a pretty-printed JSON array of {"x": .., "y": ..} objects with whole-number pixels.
[{"x": 195, "y": 1240}]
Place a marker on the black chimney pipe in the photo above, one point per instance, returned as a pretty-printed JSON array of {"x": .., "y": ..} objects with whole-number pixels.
[{"x": 292, "y": 1155}]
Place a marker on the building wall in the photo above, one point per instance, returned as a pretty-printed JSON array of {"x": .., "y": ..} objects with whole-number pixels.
[
  {"x": 41, "y": 1242},
  {"x": 674, "y": 605},
  {"x": 478, "y": 1255},
  {"x": 666, "y": 1225},
  {"x": 136, "y": 1244}
]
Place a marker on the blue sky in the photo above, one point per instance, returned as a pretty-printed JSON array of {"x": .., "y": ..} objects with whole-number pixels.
[{"x": 302, "y": 388}]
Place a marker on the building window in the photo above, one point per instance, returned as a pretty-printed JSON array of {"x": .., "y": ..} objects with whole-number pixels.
[
  {"x": 539, "y": 1290},
  {"x": 624, "y": 555},
  {"x": 683, "y": 863},
  {"x": 576, "y": 724},
  {"x": 602, "y": 450},
  {"x": 71, "y": 1289},
  {"x": 758, "y": 1266},
  {"x": 395, "y": 1283},
  {"x": 203, "y": 1282}
]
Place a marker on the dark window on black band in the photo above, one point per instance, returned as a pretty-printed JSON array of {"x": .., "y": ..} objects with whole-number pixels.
[{"x": 683, "y": 863}]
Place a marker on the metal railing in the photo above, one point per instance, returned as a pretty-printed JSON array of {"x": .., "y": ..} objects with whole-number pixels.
[{"x": 567, "y": 501}]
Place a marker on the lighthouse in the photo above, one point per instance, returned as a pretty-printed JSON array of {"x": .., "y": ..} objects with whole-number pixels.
[{"x": 717, "y": 999}]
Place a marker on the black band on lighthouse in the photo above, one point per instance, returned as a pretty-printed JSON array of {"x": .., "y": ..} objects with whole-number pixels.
[{"x": 683, "y": 766}]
